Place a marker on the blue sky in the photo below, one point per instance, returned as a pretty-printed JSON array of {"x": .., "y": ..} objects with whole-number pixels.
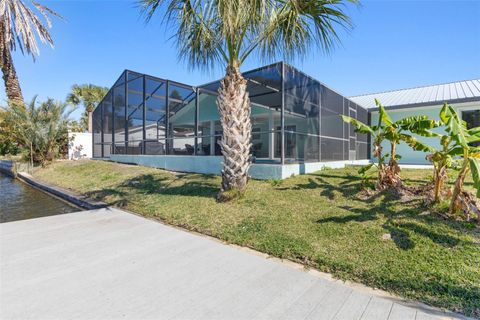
[{"x": 394, "y": 44}]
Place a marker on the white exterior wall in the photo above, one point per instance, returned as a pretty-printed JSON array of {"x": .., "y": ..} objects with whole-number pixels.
[
  {"x": 82, "y": 140},
  {"x": 417, "y": 157},
  {"x": 213, "y": 165}
]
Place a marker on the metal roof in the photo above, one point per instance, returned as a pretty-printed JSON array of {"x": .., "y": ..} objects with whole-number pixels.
[{"x": 453, "y": 92}]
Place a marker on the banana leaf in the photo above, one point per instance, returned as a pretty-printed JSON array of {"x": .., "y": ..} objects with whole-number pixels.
[
  {"x": 455, "y": 126},
  {"x": 359, "y": 126},
  {"x": 364, "y": 169},
  {"x": 415, "y": 144},
  {"x": 382, "y": 113}
]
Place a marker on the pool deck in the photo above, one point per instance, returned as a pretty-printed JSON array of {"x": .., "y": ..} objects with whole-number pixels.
[{"x": 110, "y": 264}]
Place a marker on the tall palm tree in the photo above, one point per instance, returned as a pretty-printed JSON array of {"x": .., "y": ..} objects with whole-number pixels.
[
  {"x": 229, "y": 31},
  {"x": 89, "y": 95},
  {"x": 20, "y": 26}
]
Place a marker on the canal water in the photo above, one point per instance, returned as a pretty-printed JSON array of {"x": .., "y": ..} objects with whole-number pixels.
[{"x": 19, "y": 201}]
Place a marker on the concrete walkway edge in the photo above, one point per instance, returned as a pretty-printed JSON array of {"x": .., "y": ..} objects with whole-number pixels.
[{"x": 77, "y": 199}]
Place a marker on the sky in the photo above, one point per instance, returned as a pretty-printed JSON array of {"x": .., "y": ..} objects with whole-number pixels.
[{"x": 393, "y": 45}]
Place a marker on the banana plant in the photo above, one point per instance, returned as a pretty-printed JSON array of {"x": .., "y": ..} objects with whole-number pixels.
[
  {"x": 443, "y": 157},
  {"x": 470, "y": 156},
  {"x": 398, "y": 131},
  {"x": 442, "y": 160},
  {"x": 394, "y": 132}
]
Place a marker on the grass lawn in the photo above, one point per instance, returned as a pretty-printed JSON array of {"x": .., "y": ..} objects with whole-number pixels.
[{"x": 316, "y": 219}]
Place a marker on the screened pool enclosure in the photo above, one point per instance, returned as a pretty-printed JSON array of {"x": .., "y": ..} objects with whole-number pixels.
[{"x": 295, "y": 119}]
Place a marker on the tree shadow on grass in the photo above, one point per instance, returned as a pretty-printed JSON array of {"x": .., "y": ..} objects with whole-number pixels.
[
  {"x": 181, "y": 185},
  {"x": 446, "y": 293},
  {"x": 357, "y": 215},
  {"x": 345, "y": 188},
  {"x": 400, "y": 231},
  {"x": 103, "y": 194},
  {"x": 399, "y": 237},
  {"x": 348, "y": 187},
  {"x": 439, "y": 238},
  {"x": 148, "y": 184}
]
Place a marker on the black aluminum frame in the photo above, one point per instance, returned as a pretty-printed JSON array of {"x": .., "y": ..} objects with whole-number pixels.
[{"x": 168, "y": 138}]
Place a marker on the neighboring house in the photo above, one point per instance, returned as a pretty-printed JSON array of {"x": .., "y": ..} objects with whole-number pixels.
[
  {"x": 296, "y": 124},
  {"x": 80, "y": 145},
  {"x": 464, "y": 96}
]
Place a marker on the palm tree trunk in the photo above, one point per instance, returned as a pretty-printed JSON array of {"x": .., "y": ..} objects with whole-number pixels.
[
  {"x": 12, "y": 85},
  {"x": 234, "y": 108},
  {"x": 90, "y": 122}
]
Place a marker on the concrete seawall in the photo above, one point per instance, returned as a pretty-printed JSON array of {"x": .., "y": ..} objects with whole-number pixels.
[
  {"x": 8, "y": 167},
  {"x": 15, "y": 170},
  {"x": 72, "y": 197}
]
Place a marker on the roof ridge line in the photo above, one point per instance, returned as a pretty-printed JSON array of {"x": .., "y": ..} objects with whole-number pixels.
[{"x": 411, "y": 88}]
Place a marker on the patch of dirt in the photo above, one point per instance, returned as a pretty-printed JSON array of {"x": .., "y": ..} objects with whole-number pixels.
[{"x": 467, "y": 203}]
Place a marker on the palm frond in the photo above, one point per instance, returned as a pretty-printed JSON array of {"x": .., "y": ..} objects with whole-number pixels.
[
  {"x": 295, "y": 26},
  {"x": 208, "y": 31},
  {"x": 87, "y": 94},
  {"x": 21, "y": 27}
]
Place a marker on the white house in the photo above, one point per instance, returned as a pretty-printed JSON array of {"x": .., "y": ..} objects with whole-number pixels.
[
  {"x": 80, "y": 145},
  {"x": 464, "y": 96}
]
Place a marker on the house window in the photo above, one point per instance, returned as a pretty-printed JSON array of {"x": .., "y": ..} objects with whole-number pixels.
[{"x": 472, "y": 118}]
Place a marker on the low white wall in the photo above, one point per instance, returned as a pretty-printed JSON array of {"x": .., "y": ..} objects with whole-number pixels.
[
  {"x": 80, "y": 145},
  {"x": 289, "y": 170},
  {"x": 213, "y": 165}
]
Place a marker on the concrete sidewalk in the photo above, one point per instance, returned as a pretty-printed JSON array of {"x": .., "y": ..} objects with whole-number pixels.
[{"x": 109, "y": 264}]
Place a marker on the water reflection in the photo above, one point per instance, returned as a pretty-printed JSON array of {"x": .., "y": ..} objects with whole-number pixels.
[{"x": 19, "y": 201}]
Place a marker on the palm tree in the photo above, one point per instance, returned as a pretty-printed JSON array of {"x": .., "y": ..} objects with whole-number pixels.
[
  {"x": 40, "y": 128},
  {"x": 229, "y": 31},
  {"x": 89, "y": 95},
  {"x": 20, "y": 26}
]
